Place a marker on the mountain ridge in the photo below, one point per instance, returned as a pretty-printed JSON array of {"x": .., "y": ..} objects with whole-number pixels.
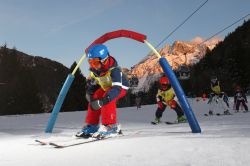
[
  {"x": 180, "y": 53},
  {"x": 31, "y": 84}
]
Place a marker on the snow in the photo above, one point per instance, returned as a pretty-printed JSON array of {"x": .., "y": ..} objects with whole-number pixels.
[{"x": 225, "y": 140}]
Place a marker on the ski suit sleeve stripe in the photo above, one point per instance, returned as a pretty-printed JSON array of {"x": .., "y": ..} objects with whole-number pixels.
[{"x": 117, "y": 83}]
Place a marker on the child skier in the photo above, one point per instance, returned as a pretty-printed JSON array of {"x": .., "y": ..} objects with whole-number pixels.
[
  {"x": 217, "y": 97},
  {"x": 107, "y": 84},
  {"x": 165, "y": 97},
  {"x": 240, "y": 98}
]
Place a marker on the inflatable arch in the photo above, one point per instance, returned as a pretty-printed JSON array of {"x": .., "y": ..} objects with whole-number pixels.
[{"x": 193, "y": 123}]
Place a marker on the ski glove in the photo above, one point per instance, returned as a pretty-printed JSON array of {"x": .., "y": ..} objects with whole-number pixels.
[
  {"x": 160, "y": 105},
  {"x": 97, "y": 104},
  {"x": 172, "y": 104}
]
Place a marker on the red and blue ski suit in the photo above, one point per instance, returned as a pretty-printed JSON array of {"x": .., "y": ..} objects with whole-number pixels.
[{"x": 109, "y": 82}]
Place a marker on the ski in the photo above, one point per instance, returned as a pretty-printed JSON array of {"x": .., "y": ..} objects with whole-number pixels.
[
  {"x": 154, "y": 123},
  {"x": 41, "y": 142},
  {"x": 46, "y": 142},
  {"x": 171, "y": 123},
  {"x": 86, "y": 141},
  {"x": 236, "y": 112},
  {"x": 58, "y": 145},
  {"x": 217, "y": 114}
]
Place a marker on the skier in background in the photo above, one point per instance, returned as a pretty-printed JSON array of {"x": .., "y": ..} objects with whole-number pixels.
[
  {"x": 138, "y": 101},
  {"x": 107, "y": 84},
  {"x": 165, "y": 97},
  {"x": 240, "y": 99},
  {"x": 204, "y": 96},
  {"x": 217, "y": 97}
]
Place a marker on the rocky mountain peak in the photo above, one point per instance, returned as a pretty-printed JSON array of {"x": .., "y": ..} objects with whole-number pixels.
[{"x": 181, "y": 52}]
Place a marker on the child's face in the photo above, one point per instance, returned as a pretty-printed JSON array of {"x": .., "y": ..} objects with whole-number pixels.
[
  {"x": 95, "y": 63},
  {"x": 165, "y": 86}
]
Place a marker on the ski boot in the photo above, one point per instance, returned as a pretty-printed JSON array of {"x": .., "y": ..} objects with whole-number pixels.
[
  {"x": 107, "y": 131},
  {"x": 227, "y": 112},
  {"x": 87, "y": 131},
  {"x": 246, "y": 111},
  {"x": 181, "y": 119},
  {"x": 210, "y": 112},
  {"x": 156, "y": 121}
]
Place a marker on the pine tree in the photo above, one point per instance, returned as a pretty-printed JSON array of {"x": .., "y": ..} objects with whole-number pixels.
[
  {"x": 229, "y": 61},
  {"x": 19, "y": 95},
  {"x": 75, "y": 99}
]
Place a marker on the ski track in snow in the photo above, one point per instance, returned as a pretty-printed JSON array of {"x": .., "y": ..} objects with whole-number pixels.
[{"x": 225, "y": 140}]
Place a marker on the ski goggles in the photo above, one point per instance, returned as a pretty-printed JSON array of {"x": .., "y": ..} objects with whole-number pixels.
[
  {"x": 165, "y": 86},
  {"x": 95, "y": 63}
]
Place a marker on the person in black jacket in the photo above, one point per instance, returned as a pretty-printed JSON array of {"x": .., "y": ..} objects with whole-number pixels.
[{"x": 240, "y": 98}]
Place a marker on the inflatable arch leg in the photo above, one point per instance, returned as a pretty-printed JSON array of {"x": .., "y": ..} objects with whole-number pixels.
[
  {"x": 61, "y": 97},
  {"x": 193, "y": 123}
]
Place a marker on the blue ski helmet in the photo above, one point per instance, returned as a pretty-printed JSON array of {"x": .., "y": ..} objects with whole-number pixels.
[{"x": 98, "y": 51}]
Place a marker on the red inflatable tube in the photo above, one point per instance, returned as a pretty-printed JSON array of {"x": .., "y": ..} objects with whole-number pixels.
[{"x": 115, "y": 34}]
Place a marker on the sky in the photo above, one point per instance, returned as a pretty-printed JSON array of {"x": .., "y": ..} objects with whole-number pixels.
[{"x": 61, "y": 30}]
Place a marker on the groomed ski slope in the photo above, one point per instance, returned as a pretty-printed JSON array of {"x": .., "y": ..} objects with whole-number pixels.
[{"x": 224, "y": 141}]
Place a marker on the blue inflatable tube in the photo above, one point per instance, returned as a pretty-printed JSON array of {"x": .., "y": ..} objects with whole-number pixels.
[
  {"x": 180, "y": 95},
  {"x": 59, "y": 103}
]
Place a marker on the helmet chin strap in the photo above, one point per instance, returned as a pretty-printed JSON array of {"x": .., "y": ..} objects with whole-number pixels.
[{"x": 106, "y": 60}]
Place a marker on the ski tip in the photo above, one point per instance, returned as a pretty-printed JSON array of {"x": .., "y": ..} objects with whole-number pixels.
[
  {"x": 41, "y": 142},
  {"x": 56, "y": 145}
]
